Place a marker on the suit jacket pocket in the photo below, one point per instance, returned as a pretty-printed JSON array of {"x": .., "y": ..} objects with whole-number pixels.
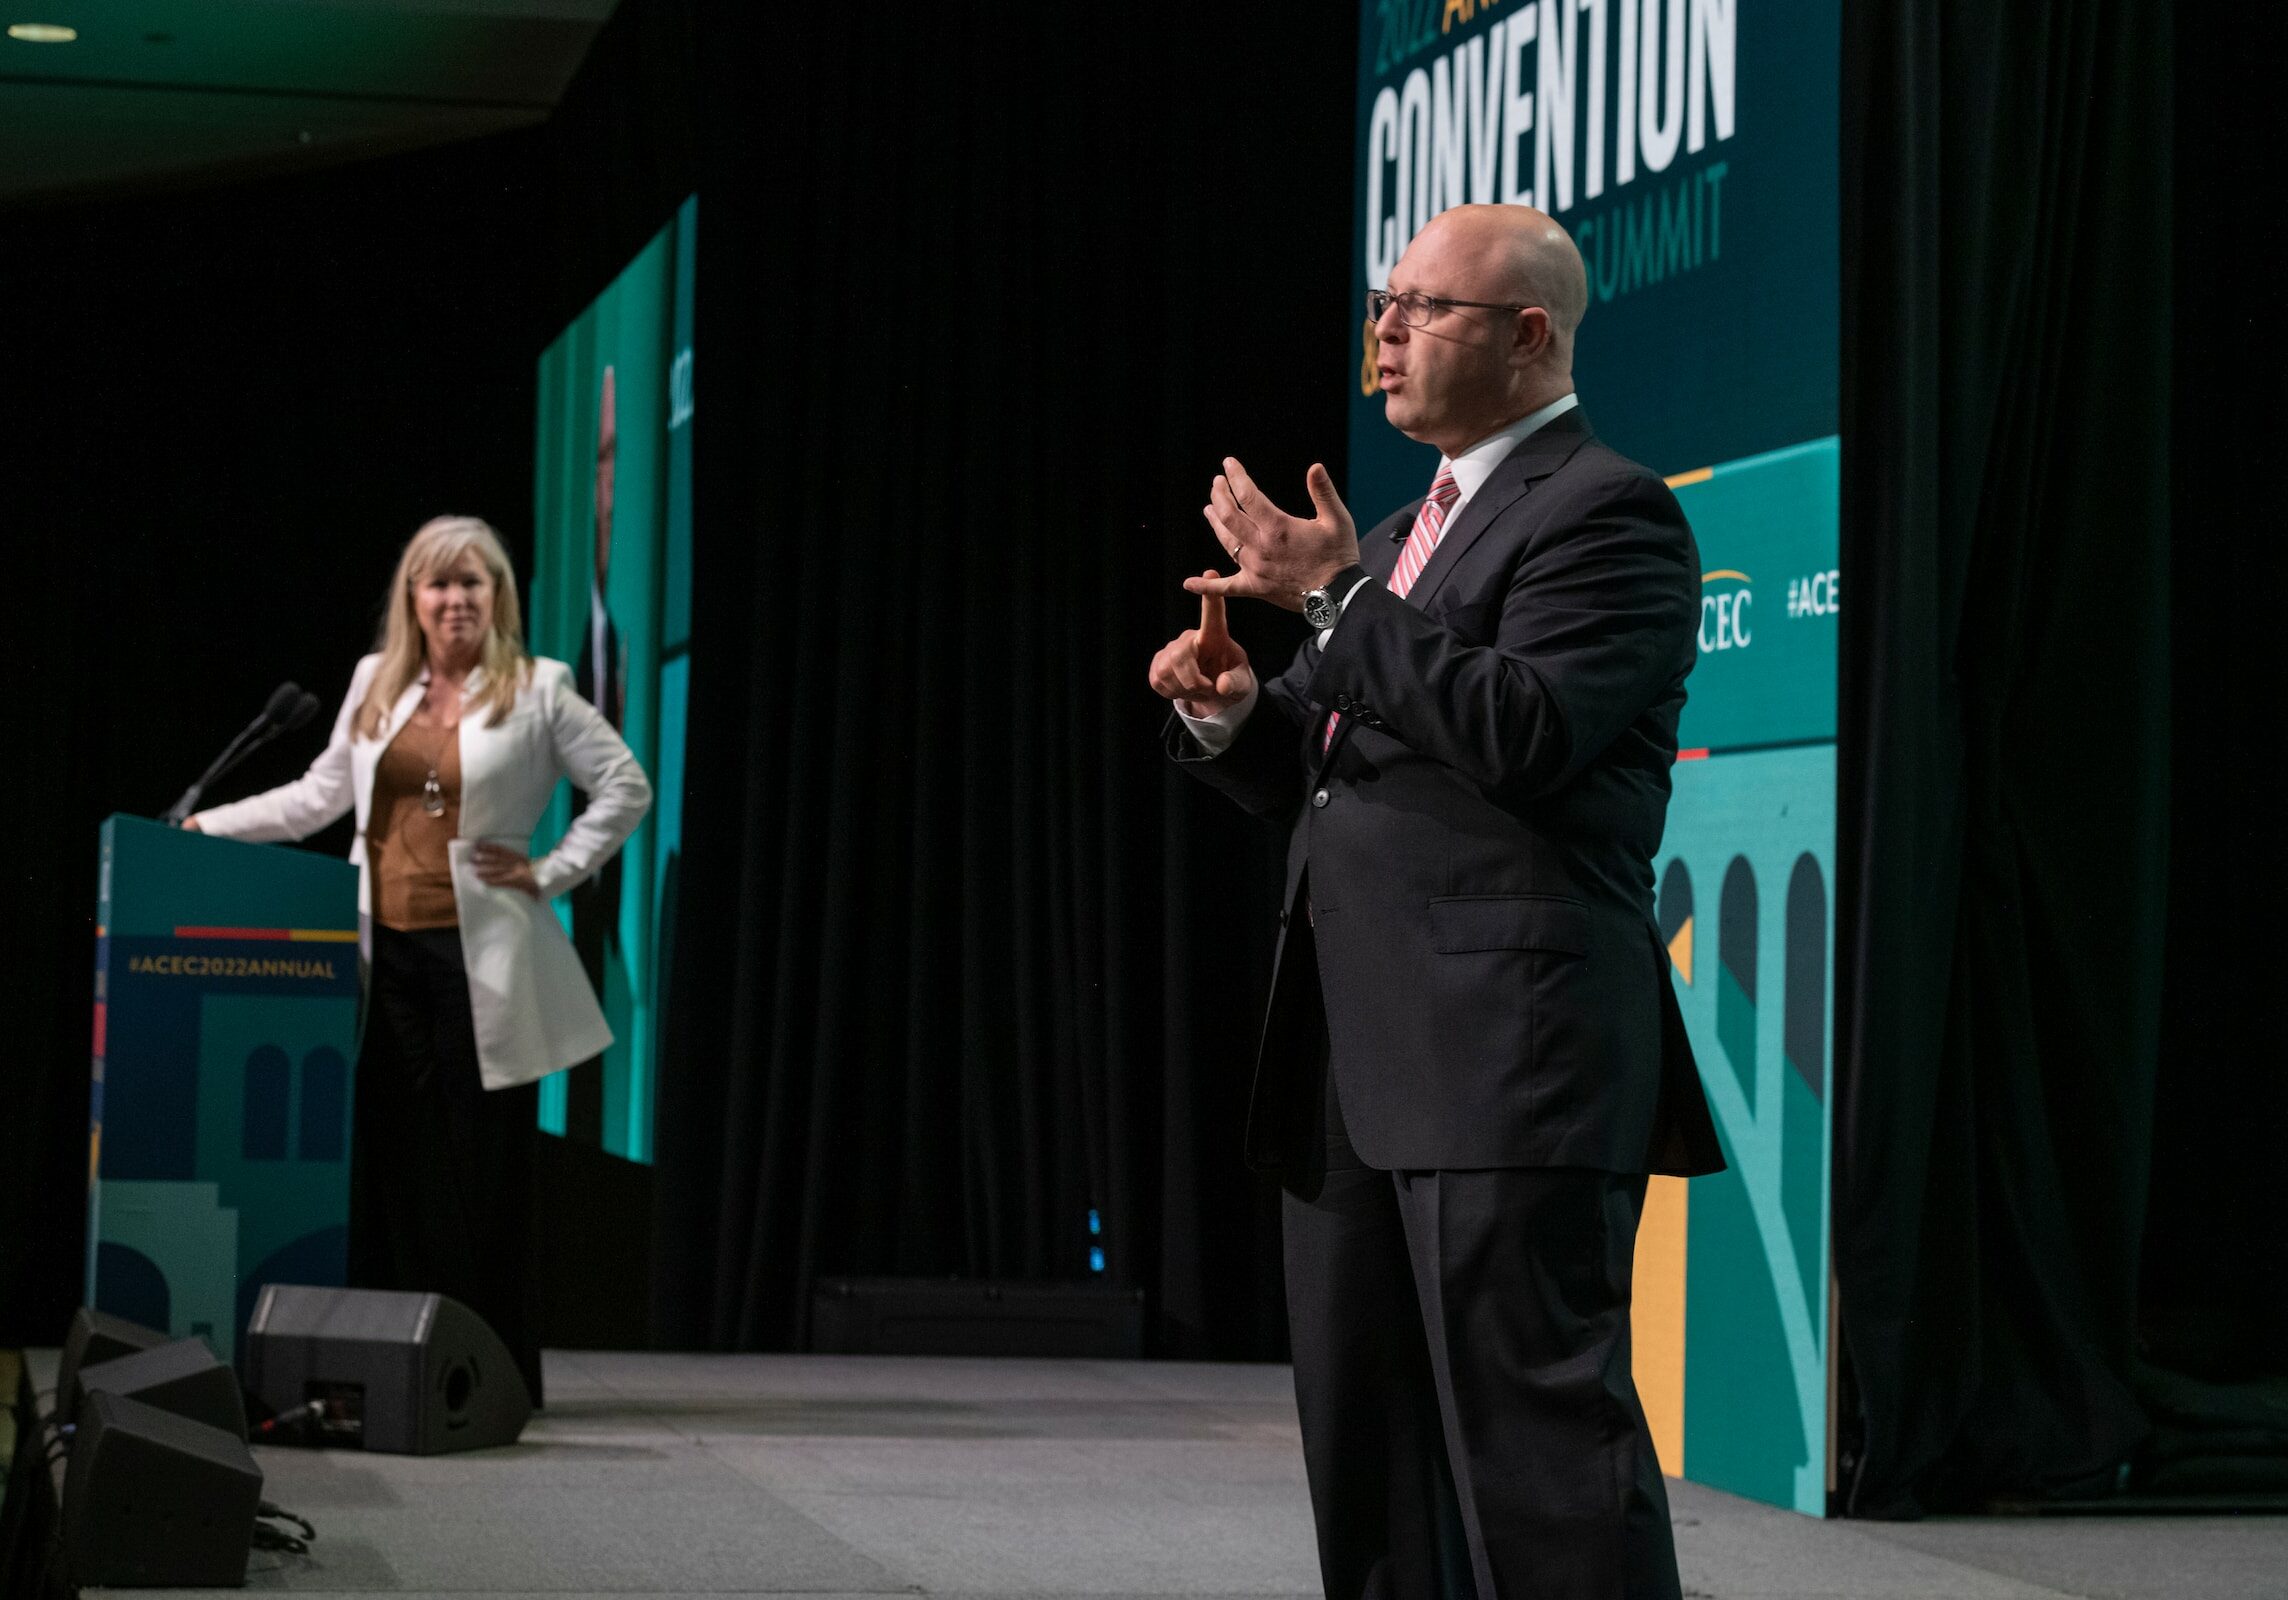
[{"x": 1460, "y": 924}]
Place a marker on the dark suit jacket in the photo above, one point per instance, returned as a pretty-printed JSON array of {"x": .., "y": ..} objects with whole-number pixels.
[
  {"x": 610, "y": 697},
  {"x": 596, "y": 899},
  {"x": 1471, "y": 859}
]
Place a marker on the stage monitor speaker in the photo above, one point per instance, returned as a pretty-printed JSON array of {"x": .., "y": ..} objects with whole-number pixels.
[
  {"x": 155, "y": 1500},
  {"x": 96, "y": 1336},
  {"x": 410, "y": 1374},
  {"x": 182, "y": 1376}
]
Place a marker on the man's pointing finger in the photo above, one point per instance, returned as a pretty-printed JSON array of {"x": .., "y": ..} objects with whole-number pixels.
[{"x": 1214, "y": 631}]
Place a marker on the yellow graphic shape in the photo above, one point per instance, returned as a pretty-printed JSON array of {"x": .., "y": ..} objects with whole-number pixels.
[
  {"x": 1725, "y": 572},
  {"x": 1680, "y": 951},
  {"x": 1696, "y": 475},
  {"x": 1656, "y": 1325},
  {"x": 322, "y": 935},
  {"x": 1369, "y": 380}
]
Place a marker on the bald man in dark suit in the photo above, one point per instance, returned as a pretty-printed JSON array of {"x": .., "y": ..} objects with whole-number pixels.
[{"x": 1472, "y": 1058}]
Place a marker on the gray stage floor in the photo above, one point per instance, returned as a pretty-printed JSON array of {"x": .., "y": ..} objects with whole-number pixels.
[{"x": 828, "y": 1476}]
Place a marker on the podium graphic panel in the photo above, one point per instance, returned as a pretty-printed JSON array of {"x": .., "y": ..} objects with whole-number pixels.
[{"x": 226, "y": 1006}]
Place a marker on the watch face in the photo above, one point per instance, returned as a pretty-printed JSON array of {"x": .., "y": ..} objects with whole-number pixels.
[{"x": 1319, "y": 609}]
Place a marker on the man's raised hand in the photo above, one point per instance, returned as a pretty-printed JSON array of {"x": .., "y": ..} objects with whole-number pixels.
[
  {"x": 1203, "y": 669},
  {"x": 1280, "y": 557}
]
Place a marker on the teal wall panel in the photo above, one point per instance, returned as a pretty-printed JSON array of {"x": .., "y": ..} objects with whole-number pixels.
[{"x": 1756, "y": 1300}]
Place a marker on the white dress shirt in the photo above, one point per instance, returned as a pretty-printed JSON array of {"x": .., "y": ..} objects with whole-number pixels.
[{"x": 1471, "y": 469}]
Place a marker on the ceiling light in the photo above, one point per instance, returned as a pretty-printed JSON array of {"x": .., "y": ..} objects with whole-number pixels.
[{"x": 42, "y": 32}]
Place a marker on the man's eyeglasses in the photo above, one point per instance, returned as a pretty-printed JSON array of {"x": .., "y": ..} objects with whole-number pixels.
[{"x": 1415, "y": 309}]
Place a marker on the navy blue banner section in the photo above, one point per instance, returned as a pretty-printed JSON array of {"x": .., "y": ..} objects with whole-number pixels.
[{"x": 1690, "y": 148}]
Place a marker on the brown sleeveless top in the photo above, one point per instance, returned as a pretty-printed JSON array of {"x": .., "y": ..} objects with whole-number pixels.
[{"x": 408, "y": 829}]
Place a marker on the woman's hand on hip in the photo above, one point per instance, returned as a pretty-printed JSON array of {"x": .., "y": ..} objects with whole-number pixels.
[{"x": 504, "y": 867}]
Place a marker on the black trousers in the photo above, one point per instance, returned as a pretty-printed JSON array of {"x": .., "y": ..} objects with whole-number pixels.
[
  {"x": 440, "y": 1166},
  {"x": 1470, "y": 1422}
]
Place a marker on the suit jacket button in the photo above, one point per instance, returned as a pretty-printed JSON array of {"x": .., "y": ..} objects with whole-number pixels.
[
  {"x": 1320, "y": 798},
  {"x": 1342, "y": 702},
  {"x": 1283, "y": 919}
]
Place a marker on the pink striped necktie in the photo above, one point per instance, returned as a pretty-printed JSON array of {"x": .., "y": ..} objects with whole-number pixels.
[{"x": 1421, "y": 545}]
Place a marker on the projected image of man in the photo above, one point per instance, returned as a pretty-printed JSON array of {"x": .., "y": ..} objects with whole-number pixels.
[
  {"x": 1473, "y": 1057},
  {"x": 600, "y": 674}
]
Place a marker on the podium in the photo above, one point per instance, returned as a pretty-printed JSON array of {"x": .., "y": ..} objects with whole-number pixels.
[{"x": 226, "y": 1015}]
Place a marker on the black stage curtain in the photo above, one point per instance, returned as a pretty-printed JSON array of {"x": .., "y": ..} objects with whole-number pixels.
[
  {"x": 2215, "y": 1252},
  {"x": 984, "y": 300},
  {"x": 2005, "y": 735}
]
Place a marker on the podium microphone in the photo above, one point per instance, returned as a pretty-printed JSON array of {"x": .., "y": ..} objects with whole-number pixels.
[{"x": 288, "y": 708}]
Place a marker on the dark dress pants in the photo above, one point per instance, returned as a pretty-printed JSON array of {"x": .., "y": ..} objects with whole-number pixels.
[
  {"x": 1470, "y": 1422},
  {"x": 441, "y": 1167}
]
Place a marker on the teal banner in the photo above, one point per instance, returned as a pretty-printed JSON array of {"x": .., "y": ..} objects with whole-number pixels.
[{"x": 1769, "y": 598}]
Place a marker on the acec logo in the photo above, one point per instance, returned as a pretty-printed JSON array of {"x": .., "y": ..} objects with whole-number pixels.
[{"x": 1725, "y": 602}]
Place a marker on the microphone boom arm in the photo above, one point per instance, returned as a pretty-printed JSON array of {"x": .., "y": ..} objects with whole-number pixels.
[
  {"x": 250, "y": 739},
  {"x": 289, "y": 708}
]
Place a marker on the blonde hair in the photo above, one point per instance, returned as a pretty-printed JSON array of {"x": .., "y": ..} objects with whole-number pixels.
[{"x": 438, "y": 544}]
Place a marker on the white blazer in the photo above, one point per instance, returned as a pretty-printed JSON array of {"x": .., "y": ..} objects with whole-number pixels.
[{"x": 534, "y": 1011}]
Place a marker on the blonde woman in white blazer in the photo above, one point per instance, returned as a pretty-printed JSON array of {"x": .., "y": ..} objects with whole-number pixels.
[{"x": 448, "y": 748}]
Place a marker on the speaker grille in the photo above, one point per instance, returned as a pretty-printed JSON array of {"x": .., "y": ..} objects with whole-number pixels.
[{"x": 370, "y": 1316}]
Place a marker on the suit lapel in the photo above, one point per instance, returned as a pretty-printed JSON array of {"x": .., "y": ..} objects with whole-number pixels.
[
  {"x": 1537, "y": 456},
  {"x": 408, "y": 698}
]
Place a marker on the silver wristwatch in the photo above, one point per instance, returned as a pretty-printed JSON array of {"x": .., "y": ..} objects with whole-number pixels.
[{"x": 1322, "y": 607}]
